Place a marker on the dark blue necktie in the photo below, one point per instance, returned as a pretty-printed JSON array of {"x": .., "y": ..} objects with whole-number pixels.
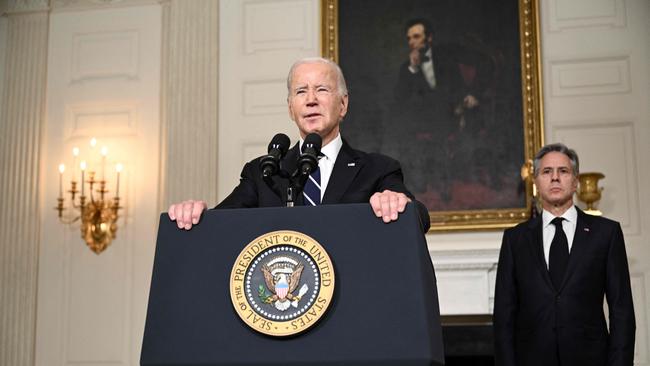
[
  {"x": 312, "y": 189},
  {"x": 558, "y": 257}
]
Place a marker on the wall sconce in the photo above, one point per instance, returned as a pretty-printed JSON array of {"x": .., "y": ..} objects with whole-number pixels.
[
  {"x": 589, "y": 192},
  {"x": 99, "y": 214}
]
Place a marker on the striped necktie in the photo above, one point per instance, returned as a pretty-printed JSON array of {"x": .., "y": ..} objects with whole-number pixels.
[{"x": 312, "y": 189}]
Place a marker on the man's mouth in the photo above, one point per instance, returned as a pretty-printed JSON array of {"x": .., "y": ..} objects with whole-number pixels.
[{"x": 312, "y": 115}]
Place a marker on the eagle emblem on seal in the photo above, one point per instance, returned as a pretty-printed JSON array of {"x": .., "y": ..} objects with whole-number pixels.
[{"x": 282, "y": 277}]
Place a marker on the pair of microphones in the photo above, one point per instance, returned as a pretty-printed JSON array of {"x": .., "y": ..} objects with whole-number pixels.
[
  {"x": 277, "y": 149},
  {"x": 307, "y": 163}
]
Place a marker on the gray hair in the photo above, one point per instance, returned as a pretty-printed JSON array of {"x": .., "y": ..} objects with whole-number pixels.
[
  {"x": 561, "y": 148},
  {"x": 340, "y": 79}
]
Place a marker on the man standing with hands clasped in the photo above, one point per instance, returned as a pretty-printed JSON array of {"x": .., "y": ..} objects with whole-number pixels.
[{"x": 554, "y": 272}]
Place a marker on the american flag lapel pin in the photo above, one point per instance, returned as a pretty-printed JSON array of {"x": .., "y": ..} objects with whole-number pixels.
[
  {"x": 586, "y": 229},
  {"x": 352, "y": 164}
]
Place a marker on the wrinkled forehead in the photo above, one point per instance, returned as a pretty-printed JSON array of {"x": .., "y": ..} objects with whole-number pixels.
[
  {"x": 313, "y": 74},
  {"x": 555, "y": 159}
]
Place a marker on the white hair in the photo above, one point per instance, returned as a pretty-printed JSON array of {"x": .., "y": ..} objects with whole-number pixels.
[{"x": 340, "y": 79}]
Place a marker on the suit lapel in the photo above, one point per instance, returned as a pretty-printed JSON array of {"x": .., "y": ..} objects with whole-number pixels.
[
  {"x": 536, "y": 245},
  {"x": 346, "y": 168},
  {"x": 580, "y": 244}
]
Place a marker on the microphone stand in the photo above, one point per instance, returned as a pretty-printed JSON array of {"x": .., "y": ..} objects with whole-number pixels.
[{"x": 296, "y": 185}]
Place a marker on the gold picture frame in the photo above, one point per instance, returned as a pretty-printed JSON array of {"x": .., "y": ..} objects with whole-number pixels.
[{"x": 531, "y": 118}]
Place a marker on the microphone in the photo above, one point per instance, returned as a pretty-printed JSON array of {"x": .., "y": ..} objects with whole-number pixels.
[
  {"x": 278, "y": 147},
  {"x": 308, "y": 160}
]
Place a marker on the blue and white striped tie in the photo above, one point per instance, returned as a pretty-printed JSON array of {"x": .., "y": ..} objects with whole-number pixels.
[{"x": 312, "y": 189}]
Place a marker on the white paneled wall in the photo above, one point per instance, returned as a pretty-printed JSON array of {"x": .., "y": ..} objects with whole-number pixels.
[
  {"x": 103, "y": 82},
  {"x": 189, "y": 101},
  {"x": 597, "y": 92},
  {"x": 21, "y": 120},
  {"x": 259, "y": 40},
  {"x": 619, "y": 165}
]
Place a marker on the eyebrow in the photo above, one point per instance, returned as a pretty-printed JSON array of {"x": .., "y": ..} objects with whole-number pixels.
[
  {"x": 301, "y": 87},
  {"x": 544, "y": 168}
]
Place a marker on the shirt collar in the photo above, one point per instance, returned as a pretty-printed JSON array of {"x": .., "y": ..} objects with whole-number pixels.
[
  {"x": 331, "y": 150},
  {"x": 570, "y": 215}
]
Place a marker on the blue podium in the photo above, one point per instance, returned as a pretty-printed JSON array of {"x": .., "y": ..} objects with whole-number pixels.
[{"x": 384, "y": 309}]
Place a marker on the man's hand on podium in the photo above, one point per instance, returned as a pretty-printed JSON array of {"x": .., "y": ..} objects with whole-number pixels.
[
  {"x": 388, "y": 204},
  {"x": 187, "y": 213}
]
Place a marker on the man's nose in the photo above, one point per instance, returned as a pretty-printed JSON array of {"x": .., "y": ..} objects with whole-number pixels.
[
  {"x": 555, "y": 174},
  {"x": 311, "y": 97}
]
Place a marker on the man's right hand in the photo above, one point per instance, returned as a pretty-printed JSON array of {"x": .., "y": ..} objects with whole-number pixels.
[
  {"x": 187, "y": 213},
  {"x": 414, "y": 59}
]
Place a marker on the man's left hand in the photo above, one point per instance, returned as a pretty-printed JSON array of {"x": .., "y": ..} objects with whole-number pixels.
[{"x": 388, "y": 204}]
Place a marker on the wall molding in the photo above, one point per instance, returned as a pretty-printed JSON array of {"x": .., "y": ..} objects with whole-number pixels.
[
  {"x": 99, "y": 55},
  {"x": 593, "y": 13},
  {"x": 296, "y": 34},
  {"x": 614, "y": 143},
  {"x": 590, "y": 76},
  {"x": 262, "y": 97}
]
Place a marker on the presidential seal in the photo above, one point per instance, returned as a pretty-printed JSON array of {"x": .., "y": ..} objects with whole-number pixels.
[{"x": 282, "y": 283}]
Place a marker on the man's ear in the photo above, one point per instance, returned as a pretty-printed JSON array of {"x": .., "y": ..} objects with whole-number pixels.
[
  {"x": 344, "y": 106},
  {"x": 289, "y": 108}
]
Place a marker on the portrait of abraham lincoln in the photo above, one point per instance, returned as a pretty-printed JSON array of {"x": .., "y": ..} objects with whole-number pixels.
[{"x": 438, "y": 86}]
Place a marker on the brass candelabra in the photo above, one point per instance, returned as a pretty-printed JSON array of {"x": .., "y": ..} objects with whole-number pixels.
[{"x": 98, "y": 214}]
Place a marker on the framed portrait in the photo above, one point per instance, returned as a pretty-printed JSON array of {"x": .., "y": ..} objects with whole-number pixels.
[{"x": 451, "y": 89}]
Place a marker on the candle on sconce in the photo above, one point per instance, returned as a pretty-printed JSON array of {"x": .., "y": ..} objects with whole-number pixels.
[
  {"x": 61, "y": 170},
  {"x": 75, "y": 154},
  {"x": 82, "y": 166},
  {"x": 118, "y": 168},
  {"x": 92, "y": 157},
  {"x": 104, "y": 152}
]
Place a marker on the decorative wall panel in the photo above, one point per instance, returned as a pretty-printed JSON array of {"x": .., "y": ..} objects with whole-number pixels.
[
  {"x": 110, "y": 119},
  {"x": 265, "y": 97},
  {"x": 290, "y": 27},
  {"x": 609, "y": 148},
  {"x": 609, "y": 75},
  {"x": 586, "y": 13},
  {"x": 105, "y": 55}
]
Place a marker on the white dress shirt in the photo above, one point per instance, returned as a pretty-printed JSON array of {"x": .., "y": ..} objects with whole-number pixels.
[
  {"x": 548, "y": 229},
  {"x": 326, "y": 163}
]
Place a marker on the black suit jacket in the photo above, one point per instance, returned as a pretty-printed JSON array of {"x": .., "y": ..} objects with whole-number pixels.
[
  {"x": 356, "y": 176},
  {"x": 537, "y": 324}
]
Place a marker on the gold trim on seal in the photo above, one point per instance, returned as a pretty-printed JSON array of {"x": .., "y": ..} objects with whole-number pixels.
[{"x": 282, "y": 283}]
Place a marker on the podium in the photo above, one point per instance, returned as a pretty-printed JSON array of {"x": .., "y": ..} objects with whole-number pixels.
[{"x": 384, "y": 309}]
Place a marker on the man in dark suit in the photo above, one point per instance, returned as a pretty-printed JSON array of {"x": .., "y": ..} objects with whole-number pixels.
[
  {"x": 554, "y": 272},
  {"x": 318, "y": 101}
]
